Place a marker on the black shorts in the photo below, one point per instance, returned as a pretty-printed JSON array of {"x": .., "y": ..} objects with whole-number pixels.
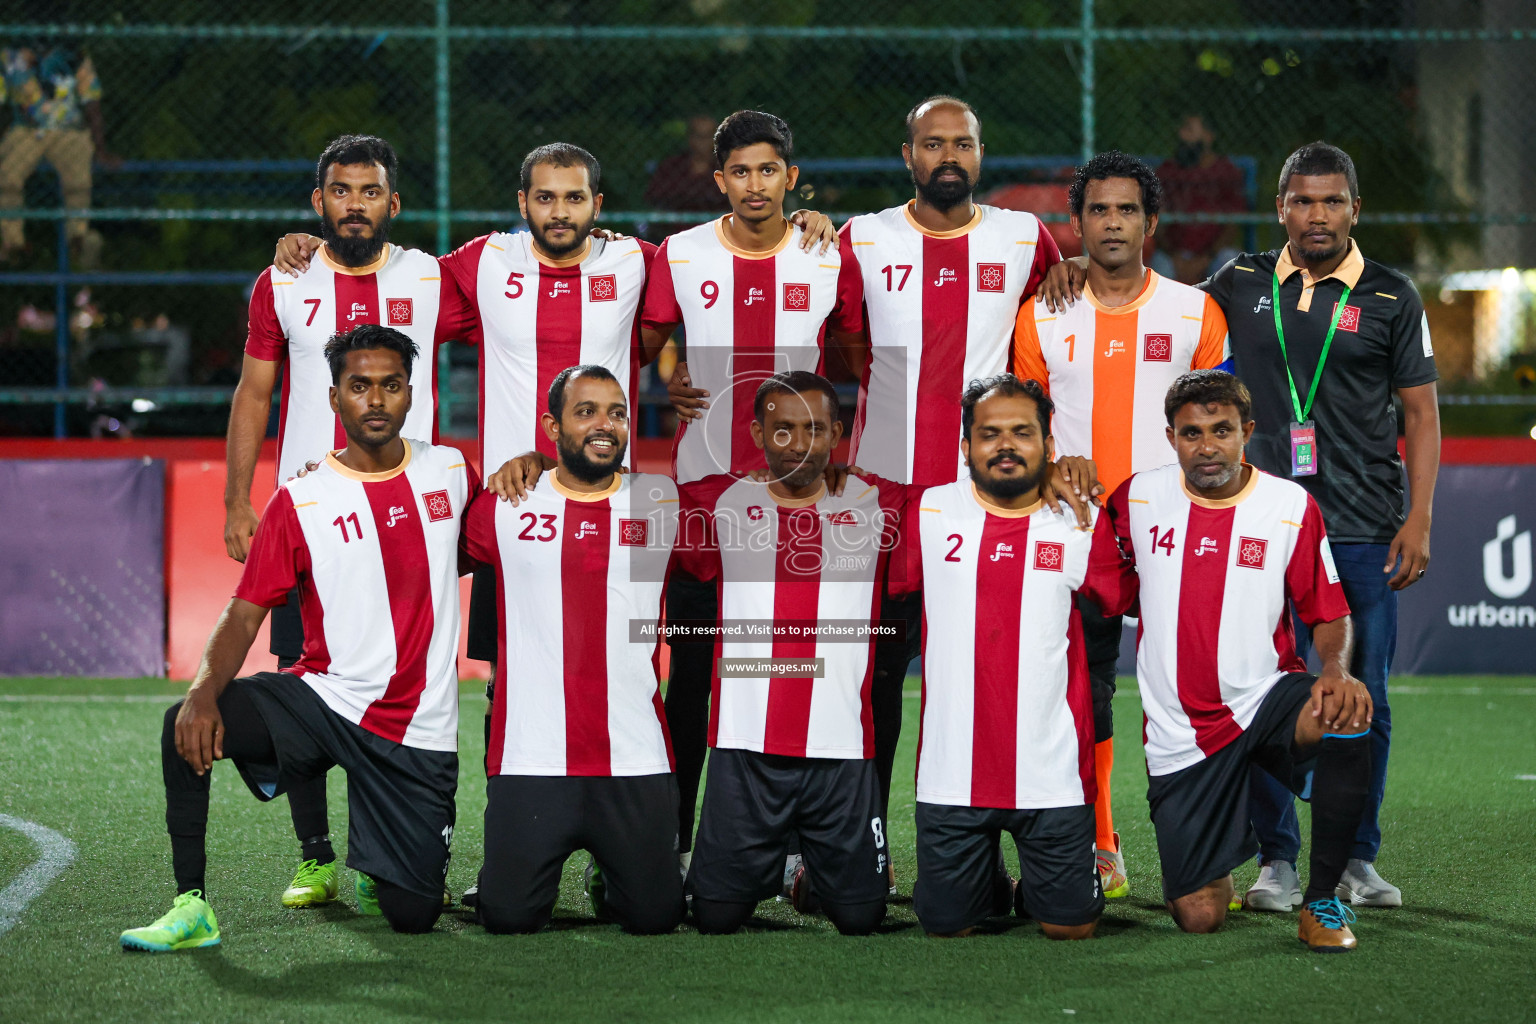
[
  {"x": 628, "y": 824},
  {"x": 958, "y": 864},
  {"x": 755, "y": 803},
  {"x": 399, "y": 798},
  {"x": 287, "y": 631},
  {"x": 483, "y": 625},
  {"x": 1101, "y": 636},
  {"x": 1201, "y": 812}
]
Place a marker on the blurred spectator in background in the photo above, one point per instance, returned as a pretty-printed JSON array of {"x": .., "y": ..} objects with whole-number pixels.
[
  {"x": 686, "y": 181},
  {"x": 1197, "y": 180},
  {"x": 55, "y": 101}
]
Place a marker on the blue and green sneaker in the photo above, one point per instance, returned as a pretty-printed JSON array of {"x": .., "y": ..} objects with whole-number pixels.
[
  {"x": 367, "y": 894},
  {"x": 313, "y": 885},
  {"x": 188, "y": 925}
]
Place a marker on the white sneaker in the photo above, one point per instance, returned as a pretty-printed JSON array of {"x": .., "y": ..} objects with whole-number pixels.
[
  {"x": 1278, "y": 888},
  {"x": 792, "y": 864},
  {"x": 1363, "y": 887},
  {"x": 684, "y": 861}
]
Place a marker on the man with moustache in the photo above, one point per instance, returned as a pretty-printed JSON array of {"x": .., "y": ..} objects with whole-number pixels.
[
  {"x": 1007, "y": 713},
  {"x": 360, "y": 278},
  {"x": 1107, "y": 363},
  {"x": 370, "y": 539},
  {"x": 1325, "y": 339},
  {"x": 791, "y": 732},
  {"x": 927, "y": 296},
  {"x": 579, "y": 756}
]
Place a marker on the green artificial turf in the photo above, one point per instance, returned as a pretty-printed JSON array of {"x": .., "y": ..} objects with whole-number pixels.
[{"x": 1459, "y": 822}]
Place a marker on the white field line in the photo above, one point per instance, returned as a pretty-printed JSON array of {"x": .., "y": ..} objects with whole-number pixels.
[
  {"x": 1392, "y": 691},
  {"x": 56, "y": 854},
  {"x": 87, "y": 698}
]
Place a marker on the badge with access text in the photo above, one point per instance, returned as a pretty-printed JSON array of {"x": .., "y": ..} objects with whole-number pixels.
[{"x": 1303, "y": 449}]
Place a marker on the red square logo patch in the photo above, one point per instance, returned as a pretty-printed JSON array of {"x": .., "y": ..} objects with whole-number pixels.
[
  {"x": 1050, "y": 555},
  {"x": 602, "y": 288},
  {"x": 399, "y": 312},
  {"x": 633, "y": 532},
  {"x": 438, "y": 505},
  {"x": 1250, "y": 552},
  {"x": 797, "y": 298},
  {"x": 1157, "y": 348},
  {"x": 1349, "y": 320},
  {"x": 990, "y": 277}
]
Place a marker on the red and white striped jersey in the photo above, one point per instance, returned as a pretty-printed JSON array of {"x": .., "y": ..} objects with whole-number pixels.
[
  {"x": 1108, "y": 369},
  {"x": 292, "y": 318},
  {"x": 575, "y": 693},
  {"x": 1007, "y": 713},
  {"x": 376, "y": 559},
  {"x": 1215, "y": 579},
  {"x": 940, "y": 309},
  {"x": 538, "y": 317},
  {"x": 746, "y": 316},
  {"x": 794, "y": 565}
]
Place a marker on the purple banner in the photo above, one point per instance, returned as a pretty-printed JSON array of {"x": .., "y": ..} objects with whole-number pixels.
[{"x": 82, "y": 567}]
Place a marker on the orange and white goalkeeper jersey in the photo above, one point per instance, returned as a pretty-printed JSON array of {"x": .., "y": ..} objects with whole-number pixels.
[{"x": 1108, "y": 369}]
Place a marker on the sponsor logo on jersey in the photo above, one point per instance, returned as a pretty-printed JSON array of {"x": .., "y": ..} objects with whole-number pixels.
[
  {"x": 602, "y": 288},
  {"x": 1349, "y": 320},
  {"x": 1003, "y": 551},
  {"x": 797, "y": 298},
  {"x": 1157, "y": 348},
  {"x": 843, "y": 518},
  {"x": 1263, "y": 304},
  {"x": 1050, "y": 555},
  {"x": 754, "y": 512},
  {"x": 358, "y": 309},
  {"x": 438, "y": 506},
  {"x": 947, "y": 275},
  {"x": 587, "y": 529},
  {"x": 396, "y": 513},
  {"x": 633, "y": 532},
  {"x": 1208, "y": 546},
  {"x": 1250, "y": 552},
  {"x": 1116, "y": 346},
  {"x": 991, "y": 276},
  {"x": 754, "y": 295},
  {"x": 559, "y": 288},
  {"x": 399, "y": 311}
]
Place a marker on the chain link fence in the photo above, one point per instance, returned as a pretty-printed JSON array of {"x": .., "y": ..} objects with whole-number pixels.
[{"x": 211, "y": 130}]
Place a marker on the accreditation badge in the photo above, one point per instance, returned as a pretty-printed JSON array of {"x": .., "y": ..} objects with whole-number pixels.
[{"x": 1303, "y": 449}]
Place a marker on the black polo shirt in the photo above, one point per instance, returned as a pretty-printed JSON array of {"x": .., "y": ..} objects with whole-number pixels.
[{"x": 1381, "y": 344}]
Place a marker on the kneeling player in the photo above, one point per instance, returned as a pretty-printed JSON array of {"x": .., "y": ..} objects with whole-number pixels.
[
  {"x": 579, "y": 756},
  {"x": 792, "y": 748},
  {"x": 371, "y": 540},
  {"x": 1219, "y": 550},
  {"x": 1007, "y": 727}
]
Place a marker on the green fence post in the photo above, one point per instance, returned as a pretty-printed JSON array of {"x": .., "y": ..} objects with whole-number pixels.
[
  {"x": 444, "y": 216},
  {"x": 1090, "y": 38}
]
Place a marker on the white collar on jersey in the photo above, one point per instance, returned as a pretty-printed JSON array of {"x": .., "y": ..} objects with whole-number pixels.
[{"x": 1236, "y": 499}]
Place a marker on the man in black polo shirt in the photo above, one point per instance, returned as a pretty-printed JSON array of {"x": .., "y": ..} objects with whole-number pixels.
[{"x": 1324, "y": 338}]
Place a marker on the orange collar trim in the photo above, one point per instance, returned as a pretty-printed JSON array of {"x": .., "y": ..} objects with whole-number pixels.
[
  {"x": 602, "y": 495},
  {"x": 998, "y": 510},
  {"x": 976, "y": 216},
  {"x": 352, "y": 474},
  {"x": 1148, "y": 289},
  {"x": 748, "y": 254},
  {"x": 1236, "y": 499},
  {"x": 372, "y": 268}
]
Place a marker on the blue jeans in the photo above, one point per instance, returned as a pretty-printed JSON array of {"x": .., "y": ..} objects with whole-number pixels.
[{"x": 1373, "y": 608}]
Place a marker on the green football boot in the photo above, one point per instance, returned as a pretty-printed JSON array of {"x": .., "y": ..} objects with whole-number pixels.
[
  {"x": 188, "y": 925},
  {"x": 367, "y": 894},
  {"x": 313, "y": 885}
]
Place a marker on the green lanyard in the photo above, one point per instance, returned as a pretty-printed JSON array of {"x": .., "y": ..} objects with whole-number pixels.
[{"x": 1317, "y": 375}]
